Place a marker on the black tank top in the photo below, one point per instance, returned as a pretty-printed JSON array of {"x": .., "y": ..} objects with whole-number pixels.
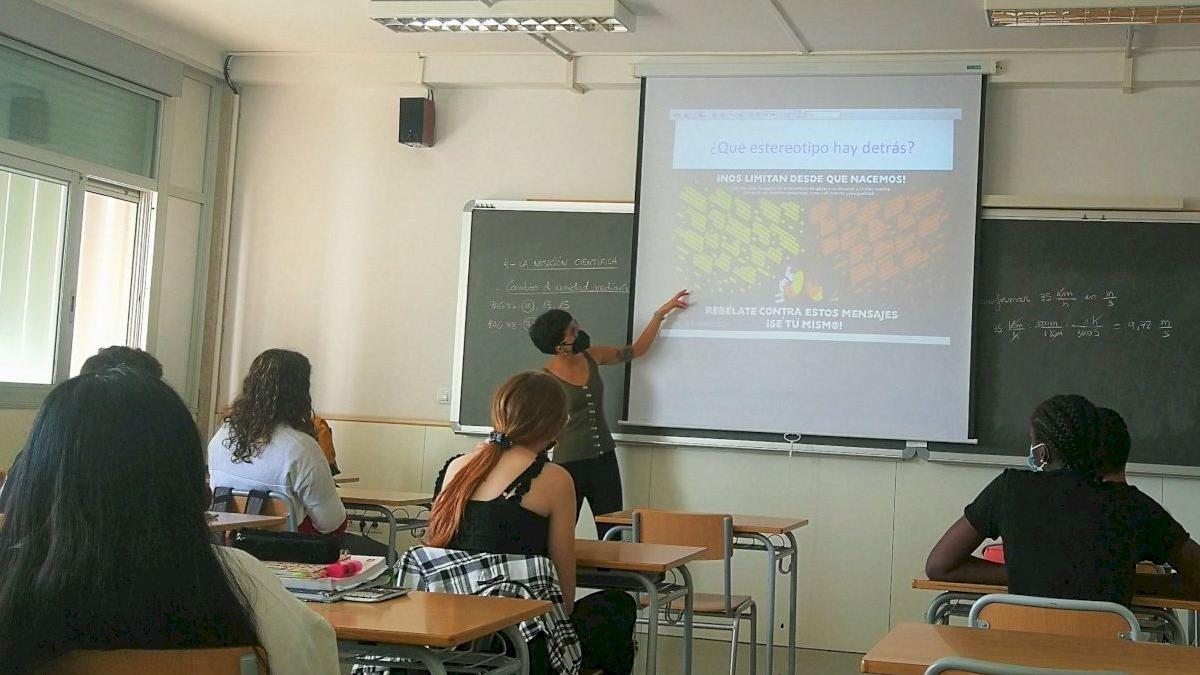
[{"x": 502, "y": 525}]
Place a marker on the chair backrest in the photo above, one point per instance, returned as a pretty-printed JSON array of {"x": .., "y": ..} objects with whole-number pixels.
[
  {"x": 711, "y": 531},
  {"x": 226, "y": 661},
  {"x": 707, "y": 530},
  {"x": 276, "y": 504},
  {"x": 1053, "y": 616},
  {"x": 959, "y": 665}
]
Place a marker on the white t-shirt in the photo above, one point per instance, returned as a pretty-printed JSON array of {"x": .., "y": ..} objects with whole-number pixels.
[
  {"x": 297, "y": 640},
  {"x": 291, "y": 463}
]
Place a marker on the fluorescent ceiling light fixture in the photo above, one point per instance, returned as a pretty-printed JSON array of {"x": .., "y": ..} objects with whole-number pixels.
[
  {"x": 502, "y": 16},
  {"x": 1085, "y": 13}
]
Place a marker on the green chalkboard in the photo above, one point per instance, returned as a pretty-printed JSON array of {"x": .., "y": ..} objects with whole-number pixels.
[
  {"x": 520, "y": 259},
  {"x": 1099, "y": 308}
]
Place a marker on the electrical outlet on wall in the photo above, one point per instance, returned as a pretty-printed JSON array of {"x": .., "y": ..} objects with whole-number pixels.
[{"x": 443, "y": 396}]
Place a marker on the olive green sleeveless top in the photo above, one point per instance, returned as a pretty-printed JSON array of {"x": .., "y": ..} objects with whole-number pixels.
[{"x": 586, "y": 435}]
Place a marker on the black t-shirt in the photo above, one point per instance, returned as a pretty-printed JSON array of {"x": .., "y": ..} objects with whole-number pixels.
[{"x": 1068, "y": 536}]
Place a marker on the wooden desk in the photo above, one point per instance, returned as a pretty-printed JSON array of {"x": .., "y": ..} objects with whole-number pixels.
[
  {"x": 630, "y": 566},
  {"x": 357, "y": 495},
  {"x": 422, "y": 626},
  {"x": 910, "y": 648},
  {"x": 342, "y": 480},
  {"x": 760, "y": 533},
  {"x": 621, "y": 555},
  {"x": 423, "y": 619},
  {"x": 226, "y": 522},
  {"x": 742, "y": 524}
]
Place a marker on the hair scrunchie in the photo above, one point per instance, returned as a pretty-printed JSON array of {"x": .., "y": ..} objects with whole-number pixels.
[{"x": 500, "y": 439}]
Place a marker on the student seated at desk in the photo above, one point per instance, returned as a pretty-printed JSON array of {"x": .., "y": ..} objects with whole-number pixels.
[
  {"x": 1067, "y": 534},
  {"x": 131, "y": 358},
  {"x": 105, "y": 543},
  {"x": 505, "y": 496},
  {"x": 268, "y": 442}
]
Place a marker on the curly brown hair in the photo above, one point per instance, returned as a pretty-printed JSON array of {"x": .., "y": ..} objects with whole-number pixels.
[{"x": 275, "y": 391}]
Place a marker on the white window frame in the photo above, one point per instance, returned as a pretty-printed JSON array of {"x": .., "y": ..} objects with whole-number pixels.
[
  {"x": 28, "y": 395},
  {"x": 143, "y": 249},
  {"x": 80, "y": 176},
  {"x": 24, "y": 395}
]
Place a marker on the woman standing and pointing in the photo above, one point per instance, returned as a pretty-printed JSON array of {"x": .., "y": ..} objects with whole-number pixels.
[{"x": 585, "y": 447}]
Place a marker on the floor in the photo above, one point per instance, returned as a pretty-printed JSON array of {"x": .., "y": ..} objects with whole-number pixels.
[{"x": 711, "y": 657}]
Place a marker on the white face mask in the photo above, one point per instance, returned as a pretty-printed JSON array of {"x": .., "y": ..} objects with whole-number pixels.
[{"x": 1032, "y": 462}]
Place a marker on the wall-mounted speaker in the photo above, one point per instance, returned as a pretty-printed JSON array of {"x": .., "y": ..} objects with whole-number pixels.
[{"x": 416, "y": 122}]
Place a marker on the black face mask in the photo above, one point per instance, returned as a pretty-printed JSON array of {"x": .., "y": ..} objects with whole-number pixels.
[{"x": 582, "y": 342}]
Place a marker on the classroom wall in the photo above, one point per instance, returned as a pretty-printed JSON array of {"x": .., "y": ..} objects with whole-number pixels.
[{"x": 345, "y": 246}]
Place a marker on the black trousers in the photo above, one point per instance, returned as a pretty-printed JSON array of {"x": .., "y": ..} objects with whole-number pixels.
[
  {"x": 604, "y": 622},
  {"x": 599, "y": 480}
]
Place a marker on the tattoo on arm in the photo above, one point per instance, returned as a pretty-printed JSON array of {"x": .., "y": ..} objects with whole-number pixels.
[{"x": 625, "y": 354}]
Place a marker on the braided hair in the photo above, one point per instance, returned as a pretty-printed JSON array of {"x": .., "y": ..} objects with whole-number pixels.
[{"x": 1069, "y": 425}]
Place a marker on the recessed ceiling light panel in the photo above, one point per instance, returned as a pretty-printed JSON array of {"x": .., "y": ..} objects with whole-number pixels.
[
  {"x": 502, "y": 16},
  {"x": 1010, "y": 13}
]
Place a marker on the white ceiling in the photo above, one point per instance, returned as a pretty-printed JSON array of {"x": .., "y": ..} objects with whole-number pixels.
[{"x": 673, "y": 26}]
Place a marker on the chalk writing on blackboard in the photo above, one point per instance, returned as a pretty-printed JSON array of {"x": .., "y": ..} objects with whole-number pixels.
[
  {"x": 1090, "y": 327},
  {"x": 1065, "y": 297},
  {"x": 561, "y": 264},
  {"x": 522, "y": 287}
]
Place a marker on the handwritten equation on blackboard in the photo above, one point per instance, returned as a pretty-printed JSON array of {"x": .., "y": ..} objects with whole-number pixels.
[
  {"x": 1063, "y": 313},
  {"x": 538, "y": 285}
]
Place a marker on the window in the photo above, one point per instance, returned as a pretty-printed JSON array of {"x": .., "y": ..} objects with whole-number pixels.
[
  {"x": 74, "y": 255},
  {"x": 33, "y": 218},
  {"x": 110, "y": 285}
]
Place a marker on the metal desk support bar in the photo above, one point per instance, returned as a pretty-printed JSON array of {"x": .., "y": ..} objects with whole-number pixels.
[
  {"x": 389, "y": 518},
  {"x": 775, "y": 558},
  {"x": 952, "y": 603}
]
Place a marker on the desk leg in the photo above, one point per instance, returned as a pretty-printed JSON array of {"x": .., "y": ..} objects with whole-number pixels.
[
  {"x": 651, "y": 627},
  {"x": 793, "y": 590},
  {"x": 772, "y": 559},
  {"x": 688, "y": 619}
]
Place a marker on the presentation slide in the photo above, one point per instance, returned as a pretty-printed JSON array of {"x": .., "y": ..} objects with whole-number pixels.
[{"x": 826, "y": 229}]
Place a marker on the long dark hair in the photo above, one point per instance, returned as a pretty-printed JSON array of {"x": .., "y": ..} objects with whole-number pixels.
[
  {"x": 530, "y": 407},
  {"x": 1070, "y": 426},
  {"x": 105, "y": 544},
  {"x": 275, "y": 391}
]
